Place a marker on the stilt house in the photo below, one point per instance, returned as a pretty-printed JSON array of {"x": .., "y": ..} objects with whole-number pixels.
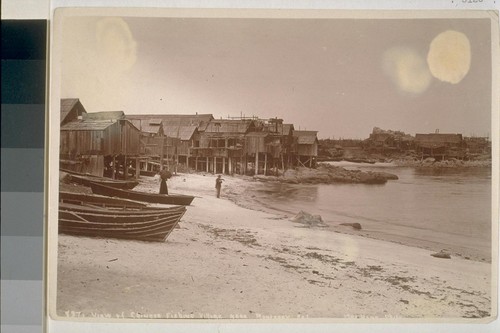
[
  {"x": 305, "y": 148},
  {"x": 101, "y": 143}
]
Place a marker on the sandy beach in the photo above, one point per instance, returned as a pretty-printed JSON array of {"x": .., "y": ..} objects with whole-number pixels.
[{"x": 228, "y": 261}]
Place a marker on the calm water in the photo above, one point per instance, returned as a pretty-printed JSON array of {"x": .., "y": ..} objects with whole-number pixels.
[{"x": 448, "y": 209}]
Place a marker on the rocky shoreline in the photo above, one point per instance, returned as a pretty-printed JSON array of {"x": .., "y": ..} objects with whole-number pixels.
[
  {"x": 433, "y": 163},
  {"x": 329, "y": 174}
]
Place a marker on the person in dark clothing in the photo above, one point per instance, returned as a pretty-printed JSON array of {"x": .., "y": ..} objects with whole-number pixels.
[
  {"x": 164, "y": 175},
  {"x": 218, "y": 185},
  {"x": 163, "y": 186}
]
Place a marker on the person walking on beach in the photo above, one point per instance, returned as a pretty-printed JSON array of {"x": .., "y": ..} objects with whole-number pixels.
[
  {"x": 218, "y": 185},
  {"x": 164, "y": 175}
]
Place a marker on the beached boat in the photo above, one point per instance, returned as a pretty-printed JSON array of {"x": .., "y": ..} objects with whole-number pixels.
[
  {"x": 85, "y": 179},
  {"x": 137, "y": 223},
  {"x": 170, "y": 199},
  {"x": 99, "y": 200}
]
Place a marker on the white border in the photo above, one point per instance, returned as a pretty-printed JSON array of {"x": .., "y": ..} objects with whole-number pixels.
[{"x": 43, "y": 9}]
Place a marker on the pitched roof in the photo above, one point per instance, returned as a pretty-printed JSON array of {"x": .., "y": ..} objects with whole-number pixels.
[
  {"x": 94, "y": 125},
  {"x": 184, "y": 133},
  {"x": 229, "y": 126},
  {"x": 67, "y": 104},
  {"x": 104, "y": 115},
  {"x": 306, "y": 137},
  {"x": 80, "y": 125},
  {"x": 199, "y": 120},
  {"x": 146, "y": 126}
]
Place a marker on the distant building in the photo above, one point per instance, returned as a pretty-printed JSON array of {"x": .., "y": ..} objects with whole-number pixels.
[{"x": 440, "y": 145}]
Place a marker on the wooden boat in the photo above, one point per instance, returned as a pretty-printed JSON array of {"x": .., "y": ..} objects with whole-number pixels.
[
  {"x": 98, "y": 200},
  {"x": 137, "y": 223},
  {"x": 170, "y": 199},
  {"x": 85, "y": 179}
]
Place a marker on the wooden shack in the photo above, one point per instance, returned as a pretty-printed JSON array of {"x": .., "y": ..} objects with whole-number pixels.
[
  {"x": 222, "y": 146},
  {"x": 305, "y": 147},
  {"x": 440, "y": 145},
  {"x": 171, "y": 135},
  {"x": 187, "y": 137},
  {"x": 280, "y": 144},
  {"x": 101, "y": 143}
]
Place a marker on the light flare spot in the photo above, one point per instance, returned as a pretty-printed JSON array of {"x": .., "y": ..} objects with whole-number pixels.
[
  {"x": 407, "y": 69},
  {"x": 449, "y": 56},
  {"x": 115, "y": 43}
]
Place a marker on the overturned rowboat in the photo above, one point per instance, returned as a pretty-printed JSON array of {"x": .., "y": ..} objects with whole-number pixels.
[
  {"x": 118, "y": 221},
  {"x": 169, "y": 199}
]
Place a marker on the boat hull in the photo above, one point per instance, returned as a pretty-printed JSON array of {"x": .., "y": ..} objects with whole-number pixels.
[
  {"x": 173, "y": 199},
  {"x": 87, "y": 179},
  {"x": 144, "y": 224}
]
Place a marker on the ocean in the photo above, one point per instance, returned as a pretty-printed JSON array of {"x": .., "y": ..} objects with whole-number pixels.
[{"x": 431, "y": 208}]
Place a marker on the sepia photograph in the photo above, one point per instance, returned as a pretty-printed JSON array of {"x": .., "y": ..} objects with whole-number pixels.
[{"x": 261, "y": 165}]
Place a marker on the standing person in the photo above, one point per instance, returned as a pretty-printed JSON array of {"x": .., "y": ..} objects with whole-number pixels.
[
  {"x": 164, "y": 175},
  {"x": 218, "y": 185}
]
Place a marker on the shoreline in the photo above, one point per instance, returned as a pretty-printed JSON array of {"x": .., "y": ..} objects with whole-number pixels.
[
  {"x": 243, "y": 200},
  {"x": 226, "y": 260}
]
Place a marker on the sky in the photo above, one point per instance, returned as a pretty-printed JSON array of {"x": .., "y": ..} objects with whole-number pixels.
[{"x": 341, "y": 77}]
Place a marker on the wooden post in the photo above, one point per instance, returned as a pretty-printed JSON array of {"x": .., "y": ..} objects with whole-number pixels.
[
  {"x": 114, "y": 167},
  {"x": 196, "y": 163},
  {"x": 215, "y": 165},
  {"x": 230, "y": 165},
  {"x": 207, "y": 164},
  {"x": 310, "y": 162},
  {"x": 257, "y": 163},
  {"x": 162, "y": 142},
  {"x": 265, "y": 164},
  {"x": 223, "y": 165},
  {"x": 137, "y": 168},
  {"x": 125, "y": 168}
]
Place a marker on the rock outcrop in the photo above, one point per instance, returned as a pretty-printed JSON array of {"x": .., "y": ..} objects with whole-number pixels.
[
  {"x": 308, "y": 219},
  {"x": 356, "y": 226},
  {"x": 328, "y": 174}
]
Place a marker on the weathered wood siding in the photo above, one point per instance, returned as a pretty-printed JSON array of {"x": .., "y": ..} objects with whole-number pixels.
[
  {"x": 255, "y": 144},
  {"x": 308, "y": 150},
  {"x": 130, "y": 143},
  {"x": 112, "y": 140}
]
